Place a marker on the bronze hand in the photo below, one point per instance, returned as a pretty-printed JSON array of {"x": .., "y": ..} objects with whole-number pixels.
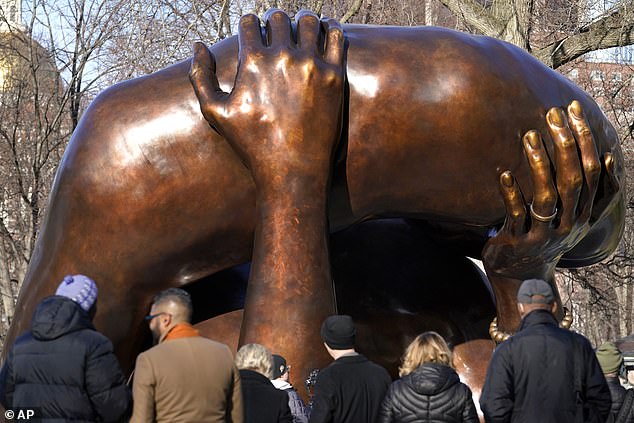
[
  {"x": 538, "y": 231},
  {"x": 283, "y": 117}
]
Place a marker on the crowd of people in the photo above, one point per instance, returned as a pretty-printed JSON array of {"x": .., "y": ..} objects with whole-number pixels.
[{"x": 67, "y": 371}]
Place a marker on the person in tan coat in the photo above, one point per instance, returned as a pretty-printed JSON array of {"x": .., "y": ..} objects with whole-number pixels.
[{"x": 185, "y": 378}]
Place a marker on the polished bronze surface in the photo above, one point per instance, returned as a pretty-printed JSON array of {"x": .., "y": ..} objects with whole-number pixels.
[
  {"x": 149, "y": 196},
  {"x": 283, "y": 118}
]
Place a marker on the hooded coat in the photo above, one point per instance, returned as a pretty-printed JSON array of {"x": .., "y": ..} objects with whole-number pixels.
[
  {"x": 64, "y": 369},
  {"x": 432, "y": 393}
]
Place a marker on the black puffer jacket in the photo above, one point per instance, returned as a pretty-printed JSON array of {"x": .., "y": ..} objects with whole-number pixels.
[
  {"x": 431, "y": 393},
  {"x": 64, "y": 368}
]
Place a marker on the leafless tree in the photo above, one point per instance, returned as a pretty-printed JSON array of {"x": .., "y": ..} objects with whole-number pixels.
[{"x": 47, "y": 78}]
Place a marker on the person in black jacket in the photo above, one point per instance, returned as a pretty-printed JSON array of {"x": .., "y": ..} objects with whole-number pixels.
[
  {"x": 350, "y": 389},
  {"x": 538, "y": 373},
  {"x": 429, "y": 389},
  {"x": 63, "y": 368},
  {"x": 263, "y": 403},
  {"x": 281, "y": 377},
  {"x": 611, "y": 360}
]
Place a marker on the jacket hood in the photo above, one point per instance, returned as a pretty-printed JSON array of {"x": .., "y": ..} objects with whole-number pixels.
[
  {"x": 432, "y": 378},
  {"x": 56, "y": 316}
]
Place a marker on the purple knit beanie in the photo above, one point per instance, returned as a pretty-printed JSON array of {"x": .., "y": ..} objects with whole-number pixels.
[{"x": 80, "y": 289}]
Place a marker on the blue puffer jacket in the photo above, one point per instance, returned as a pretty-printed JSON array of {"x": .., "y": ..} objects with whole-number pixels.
[
  {"x": 64, "y": 368},
  {"x": 432, "y": 393}
]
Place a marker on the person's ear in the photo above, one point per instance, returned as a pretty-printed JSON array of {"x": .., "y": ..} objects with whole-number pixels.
[
  {"x": 520, "y": 308},
  {"x": 166, "y": 319},
  {"x": 554, "y": 307}
]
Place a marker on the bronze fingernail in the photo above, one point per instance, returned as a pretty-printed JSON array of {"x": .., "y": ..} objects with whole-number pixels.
[
  {"x": 533, "y": 139},
  {"x": 507, "y": 179},
  {"x": 576, "y": 110},
  {"x": 555, "y": 117}
]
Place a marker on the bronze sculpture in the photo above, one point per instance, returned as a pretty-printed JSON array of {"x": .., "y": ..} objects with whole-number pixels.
[{"x": 149, "y": 196}]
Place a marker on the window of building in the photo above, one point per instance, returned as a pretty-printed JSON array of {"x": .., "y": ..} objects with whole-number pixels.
[
  {"x": 617, "y": 77},
  {"x": 596, "y": 75},
  {"x": 574, "y": 74}
]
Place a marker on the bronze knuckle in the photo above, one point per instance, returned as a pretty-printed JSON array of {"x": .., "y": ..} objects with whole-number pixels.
[
  {"x": 583, "y": 130},
  {"x": 565, "y": 140},
  {"x": 572, "y": 182},
  {"x": 547, "y": 200},
  {"x": 592, "y": 168},
  {"x": 565, "y": 228},
  {"x": 516, "y": 214}
]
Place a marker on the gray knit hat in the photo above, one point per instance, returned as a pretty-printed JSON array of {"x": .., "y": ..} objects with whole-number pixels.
[{"x": 80, "y": 289}]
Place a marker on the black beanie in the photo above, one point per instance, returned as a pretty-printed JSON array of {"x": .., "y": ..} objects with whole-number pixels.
[{"x": 338, "y": 332}]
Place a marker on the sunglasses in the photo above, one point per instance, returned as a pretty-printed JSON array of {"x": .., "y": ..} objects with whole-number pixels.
[{"x": 151, "y": 317}]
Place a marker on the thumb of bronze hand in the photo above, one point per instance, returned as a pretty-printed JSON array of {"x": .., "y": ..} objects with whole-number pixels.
[{"x": 202, "y": 76}]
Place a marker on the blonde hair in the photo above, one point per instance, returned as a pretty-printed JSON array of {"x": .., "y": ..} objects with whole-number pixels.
[
  {"x": 255, "y": 357},
  {"x": 428, "y": 347}
]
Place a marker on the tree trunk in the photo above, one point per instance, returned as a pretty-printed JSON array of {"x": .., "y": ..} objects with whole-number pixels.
[{"x": 6, "y": 289}]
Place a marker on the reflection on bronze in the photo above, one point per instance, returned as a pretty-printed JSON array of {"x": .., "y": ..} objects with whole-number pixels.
[
  {"x": 149, "y": 196},
  {"x": 499, "y": 336}
]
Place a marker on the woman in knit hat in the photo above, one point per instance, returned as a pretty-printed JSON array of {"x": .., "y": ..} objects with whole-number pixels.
[{"x": 63, "y": 368}]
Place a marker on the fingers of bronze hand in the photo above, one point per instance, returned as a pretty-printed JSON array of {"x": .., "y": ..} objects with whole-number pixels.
[
  {"x": 202, "y": 76},
  {"x": 544, "y": 193},
  {"x": 589, "y": 156},
  {"x": 249, "y": 36},
  {"x": 308, "y": 27},
  {"x": 569, "y": 175},
  {"x": 334, "y": 42},
  {"x": 608, "y": 160},
  {"x": 278, "y": 28},
  {"x": 514, "y": 204}
]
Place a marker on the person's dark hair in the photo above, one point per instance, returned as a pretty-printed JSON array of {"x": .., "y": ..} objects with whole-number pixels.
[{"x": 178, "y": 296}]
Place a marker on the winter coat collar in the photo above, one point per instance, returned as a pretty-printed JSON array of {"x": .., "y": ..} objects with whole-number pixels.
[
  {"x": 254, "y": 377},
  {"x": 432, "y": 378},
  {"x": 180, "y": 330},
  {"x": 356, "y": 358},
  {"x": 56, "y": 316},
  {"x": 537, "y": 317},
  {"x": 281, "y": 384}
]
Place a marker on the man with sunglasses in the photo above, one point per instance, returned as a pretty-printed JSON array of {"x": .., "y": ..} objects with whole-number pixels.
[{"x": 185, "y": 377}]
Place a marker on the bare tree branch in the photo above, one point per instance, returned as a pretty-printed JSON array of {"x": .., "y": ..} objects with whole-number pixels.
[
  {"x": 354, "y": 9},
  {"x": 613, "y": 30},
  {"x": 476, "y": 16}
]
